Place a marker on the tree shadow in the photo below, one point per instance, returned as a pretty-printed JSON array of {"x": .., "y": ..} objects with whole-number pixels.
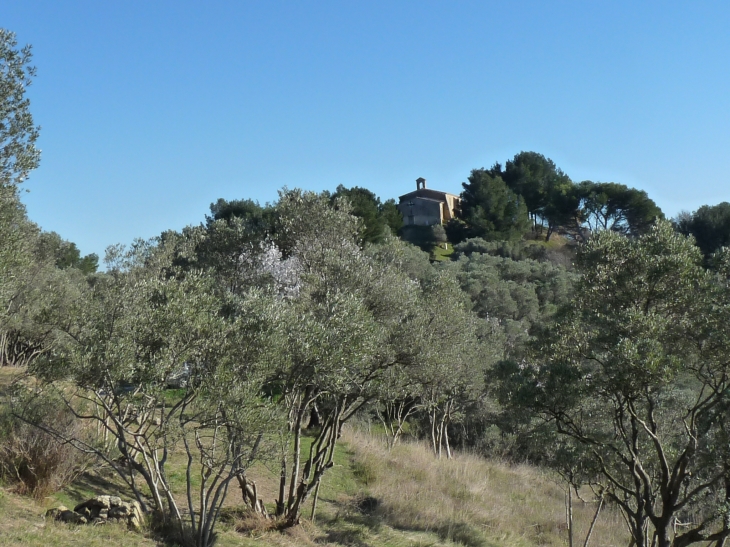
[
  {"x": 352, "y": 537},
  {"x": 92, "y": 484}
]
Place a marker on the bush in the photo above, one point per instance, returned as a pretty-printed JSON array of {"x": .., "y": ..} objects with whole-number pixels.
[
  {"x": 516, "y": 250},
  {"x": 420, "y": 236},
  {"x": 457, "y": 230},
  {"x": 439, "y": 233},
  {"x": 34, "y": 462}
]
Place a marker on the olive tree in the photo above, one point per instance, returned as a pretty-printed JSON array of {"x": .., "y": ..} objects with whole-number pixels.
[
  {"x": 18, "y": 156},
  {"x": 347, "y": 331},
  {"x": 140, "y": 325},
  {"x": 16, "y": 258},
  {"x": 634, "y": 374},
  {"x": 18, "y": 134},
  {"x": 35, "y": 294},
  {"x": 459, "y": 348}
]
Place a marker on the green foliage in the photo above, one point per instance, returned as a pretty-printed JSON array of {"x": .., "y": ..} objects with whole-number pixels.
[
  {"x": 615, "y": 207},
  {"x": 527, "y": 175},
  {"x": 491, "y": 209},
  {"x": 406, "y": 258},
  {"x": 632, "y": 376},
  {"x": 310, "y": 307},
  {"x": 393, "y": 217},
  {"x": 18, "y": 134},
  {"x": 439, "y": 233},
  {"x": 230, "y": 243},
  {"x": 709, "y": 225},
  {"x": 137, "y": 326},
  {"x": 562, "y": 205},
  {"x": 34, "y": 293},
  {"x": 516, "y": 250},
  {"x": 547, "y": 191},
  {"x": 552, "y": 200},
  {"x": 16, "y": 247},
  {"x": 65, "y": 254},
  {"x": 258, "y": 219},
  {"x": 457, "y": 230},
  {"x": 306, "y": 216},
  {"x": 349, "y": 326},
  {"x": 376, "y": 216},
  {"x": 454, "y": 365},
  {"x": 420, "y": 236},
  {"x": 519, "y": 295},
  {"x": 366, "y": 206},
  {"x": 227, "y": 248}
]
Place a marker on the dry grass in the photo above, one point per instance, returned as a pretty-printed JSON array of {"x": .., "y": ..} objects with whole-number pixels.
[
  {"x": 403, "y": 498},
  {"x": 472, "y": 501},
  {"x": 372, "y": 497},
  {"x": 22, "y": 523}
]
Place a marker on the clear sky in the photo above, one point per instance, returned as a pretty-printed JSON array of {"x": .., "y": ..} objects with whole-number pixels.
[{"x": 151, "y": 110}]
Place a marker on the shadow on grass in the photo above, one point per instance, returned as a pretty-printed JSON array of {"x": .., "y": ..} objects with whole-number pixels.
[
  {"x": 351, "y": 536},
  {"x": 352, "y": 524},
  {"x": 89, "y": 485},
  {"x": 463, "y": 534},
  {"x": 349, "y": 526}
]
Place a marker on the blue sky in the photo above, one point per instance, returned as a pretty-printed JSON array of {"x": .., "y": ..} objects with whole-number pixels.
[{"x": 152, "y": 110}]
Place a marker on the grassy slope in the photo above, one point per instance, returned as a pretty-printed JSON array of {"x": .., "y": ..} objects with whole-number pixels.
[
  {"x": 22, "y": 523},
  {"x": 473, "y": 501},
  {"x": 421, "y": 501},
  {"x": 439, "y": 254}
]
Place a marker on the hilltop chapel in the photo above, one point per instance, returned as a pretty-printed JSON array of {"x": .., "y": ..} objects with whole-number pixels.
[{"x": 425, "y": 207}]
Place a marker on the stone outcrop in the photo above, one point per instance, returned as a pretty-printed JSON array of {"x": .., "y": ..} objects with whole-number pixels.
[{"x": 100, "y": 510}]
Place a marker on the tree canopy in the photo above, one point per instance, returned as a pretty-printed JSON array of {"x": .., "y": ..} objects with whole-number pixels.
[
  {"x": 615, "y": 207},
  {"x": 544, "y": 187},
  {"x": 709, "y": 225},
  {"x": 496, "y": 201},
  {"x": 633, "y": 375},
  {"x": 491, "y": 209},
  {"x": 18, "y": 133},
  {"x": 376, "y": 216},
  {"x": 221, "y": 341}
]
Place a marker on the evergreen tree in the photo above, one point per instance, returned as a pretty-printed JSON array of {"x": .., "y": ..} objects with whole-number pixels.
[
  {"x": 710, "y": 226},
  {"x": 491, "y": 209}
]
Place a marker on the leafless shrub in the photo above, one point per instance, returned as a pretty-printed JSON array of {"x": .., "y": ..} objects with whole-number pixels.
[
  {"x": 253, "y": 524},
  {"x": 34, "y": 462}
]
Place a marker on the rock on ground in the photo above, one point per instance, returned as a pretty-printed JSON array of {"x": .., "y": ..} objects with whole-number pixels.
[{"x": 100, "y": 510}]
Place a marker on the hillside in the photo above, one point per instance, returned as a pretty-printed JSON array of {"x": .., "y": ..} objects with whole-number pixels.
[{"x": 403, "y": 498}]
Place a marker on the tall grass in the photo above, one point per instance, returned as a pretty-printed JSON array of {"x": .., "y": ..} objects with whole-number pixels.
[{"x": 472, "y": 501}]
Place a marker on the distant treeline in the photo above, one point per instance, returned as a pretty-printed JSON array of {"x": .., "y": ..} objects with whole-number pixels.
[{"x": 531, "y": 196}]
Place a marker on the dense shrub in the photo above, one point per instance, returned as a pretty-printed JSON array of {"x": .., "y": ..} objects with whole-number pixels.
[
  {"x": 457, "y": 230},
  {"x": 439, "y": 233},
  {"x": 516, "y": 250},
  {"x": 420, "y": 236},
  {"x": 34, "y": 462}
]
